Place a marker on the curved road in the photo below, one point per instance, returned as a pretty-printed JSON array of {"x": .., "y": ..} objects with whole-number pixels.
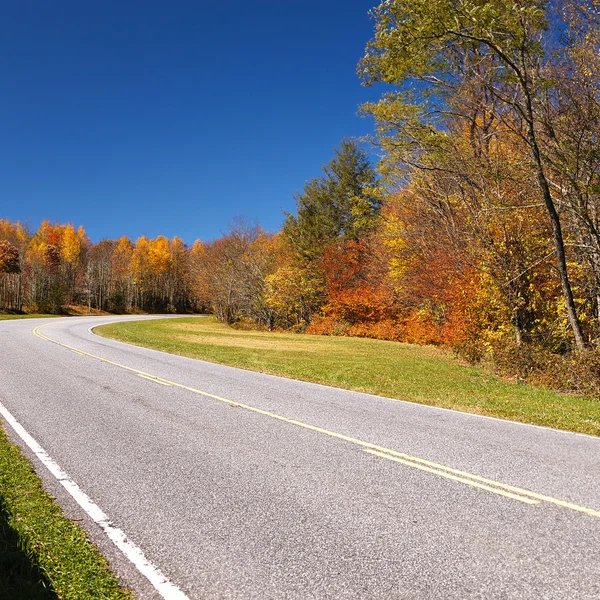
[{"x": 241, "y": 485}]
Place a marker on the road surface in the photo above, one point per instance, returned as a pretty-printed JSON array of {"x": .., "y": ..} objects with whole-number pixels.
[{"x": 232, "y": 484}]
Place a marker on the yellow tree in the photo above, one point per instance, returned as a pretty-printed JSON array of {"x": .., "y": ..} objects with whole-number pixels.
[
  {"x": 159, "y": 257},
  {"x": 122, "y": 276},
  {"x": 178, "y": 280},
  {"x": 140, "y": 271},
  {"x": 15, "y": 282},
  {"x": 474, "y": 59},
  {"x": 73, "y": 244}
]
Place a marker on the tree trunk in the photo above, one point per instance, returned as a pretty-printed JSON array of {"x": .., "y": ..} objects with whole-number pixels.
[{"x": 557, "y": 236}]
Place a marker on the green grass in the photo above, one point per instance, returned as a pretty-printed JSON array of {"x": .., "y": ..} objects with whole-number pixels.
[
  {"x": 408, "y": 372},
  {"x": 6, "y": 317},
  {"x": 44, "y": 555}
]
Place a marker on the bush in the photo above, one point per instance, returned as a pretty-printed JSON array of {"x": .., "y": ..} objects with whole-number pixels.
[
  {"x": 575, "y": 372},
  {"x": 379, "y": 330}
]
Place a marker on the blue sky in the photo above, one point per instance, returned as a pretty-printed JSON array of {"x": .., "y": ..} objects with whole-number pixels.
[{"x": 173, "y": 117}]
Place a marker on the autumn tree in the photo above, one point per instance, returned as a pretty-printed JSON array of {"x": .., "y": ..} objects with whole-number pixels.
[
  {"x": 58, "y": 266},
  {"x": 337, "y": 209},
  {"x": 359, "y": 300},
  {"x": 121, "y": 298},
  {"x": 433, "y": 53},
  {"x": 72, "y": 247},
  {"x": 221, "y": 270},
  {"x": 9, "y": 258},
  {"x": 570, "y": 126},
  {"x": 140, "y": 270},
  {"x": 47, "y": 292},
  {"x": 98, "y": 274},
  {"x": 200, "y": 281},
  {"x": 293, "y": 294},
  {"x": 9, "y": 268},
  {"x": 178, "y": 279}
]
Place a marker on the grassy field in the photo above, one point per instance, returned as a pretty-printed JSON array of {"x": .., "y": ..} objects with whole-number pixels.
[
  {"x": 407, "y": 372},
  {"x": 44, "y": 555}
]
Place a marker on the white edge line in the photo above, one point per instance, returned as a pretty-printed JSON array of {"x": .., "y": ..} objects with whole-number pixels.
[
  {"x": 378, "y": 397},
  {"x": 168, "y": 590}
]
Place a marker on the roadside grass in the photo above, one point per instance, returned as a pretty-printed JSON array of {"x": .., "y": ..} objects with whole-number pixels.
[
  {"x": 71, "y": 310},
  {"x": 409, "y": 372},
  {"x": 7, "y": 317},
  {"x": 44, "y": 555}
]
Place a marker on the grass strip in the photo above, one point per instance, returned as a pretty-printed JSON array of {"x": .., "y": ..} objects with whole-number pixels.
[
  {"x": 409, "y": 372},
  {"x": 8, "y": 317},
  {"x": 44, "y": 555}
]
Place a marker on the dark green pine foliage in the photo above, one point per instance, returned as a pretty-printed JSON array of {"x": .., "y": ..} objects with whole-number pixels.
[{"x": 341, "y": 205}]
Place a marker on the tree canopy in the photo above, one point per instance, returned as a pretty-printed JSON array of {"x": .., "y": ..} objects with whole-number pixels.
[{"x": 342, "y": 204}]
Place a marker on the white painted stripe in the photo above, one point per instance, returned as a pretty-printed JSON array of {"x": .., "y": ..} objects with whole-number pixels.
[{"x": 168, "y": 590}]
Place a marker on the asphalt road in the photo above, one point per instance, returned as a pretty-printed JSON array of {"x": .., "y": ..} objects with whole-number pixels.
[{"x": 242, "y": 485}]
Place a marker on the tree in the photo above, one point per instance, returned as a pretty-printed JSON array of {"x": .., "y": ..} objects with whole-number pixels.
[
  {"x": 293, "y": 295},
  {"x": 72, "y": 246},
  {"x": 178, "y": 277},
  {"x": 58, "y": 266},
  {"x": 230, "y": 272},
  {"x": 344, "y": 203},
  {"x": 444, "y": 50},
  {"x": 122, "y": 276},
  {"x": 98, "y": 274},
  {"x": 10, "y": 268},
  {"x": 570, "y": 118},
  {"x": 9, "y": 258}
]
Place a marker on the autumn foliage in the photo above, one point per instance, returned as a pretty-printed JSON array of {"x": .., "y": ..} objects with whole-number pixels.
[{"x": 58, "y": 266}]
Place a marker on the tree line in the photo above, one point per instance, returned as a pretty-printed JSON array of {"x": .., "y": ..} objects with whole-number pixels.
[
  {"x": 58, "y": 266},
  {"x": 478, "y": 228}
]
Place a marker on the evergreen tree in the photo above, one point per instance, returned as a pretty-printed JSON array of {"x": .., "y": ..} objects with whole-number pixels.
[{"x": 341, "y": 205}]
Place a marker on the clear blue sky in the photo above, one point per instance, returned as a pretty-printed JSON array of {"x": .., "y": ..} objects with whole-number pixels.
[{"x": 173, "y": 117}]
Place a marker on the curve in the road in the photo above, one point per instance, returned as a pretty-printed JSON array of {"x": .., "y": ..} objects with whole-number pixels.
[
  {"x": 496, "y": 487},
  {"x": 304, "y": 490}
]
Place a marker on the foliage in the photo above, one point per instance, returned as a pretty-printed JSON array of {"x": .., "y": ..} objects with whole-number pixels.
[
  {"x": 9, "y": 258},
  {"x": 484, "y": 69},
  {"x": 232, "y": 273},
  {"x": 58, "y": 266},
  {"x": 293, "y": 294},
  {"x": 343, "y": 204}
]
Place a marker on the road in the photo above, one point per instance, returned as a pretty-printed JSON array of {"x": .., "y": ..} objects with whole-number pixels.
[{"x": 236, "y": 484}]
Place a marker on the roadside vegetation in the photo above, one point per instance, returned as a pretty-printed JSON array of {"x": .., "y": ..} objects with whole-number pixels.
[
  {"x": 72, "y": 310},
  {"x": 421, "y": 374},
  {"x": 8, "y": 317},
  {"x": 44, "y": 555}
]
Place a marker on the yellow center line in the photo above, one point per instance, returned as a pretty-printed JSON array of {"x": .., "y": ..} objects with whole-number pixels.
[
  {"x": 484, "y": 483},
  {"x": 468, "y": 481},
  {"x": 155, "y": 379},
  {"x": 505, "y": 486}
]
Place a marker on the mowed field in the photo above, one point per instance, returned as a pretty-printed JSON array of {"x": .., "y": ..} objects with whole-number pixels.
[{"x": 404, "y": 371}]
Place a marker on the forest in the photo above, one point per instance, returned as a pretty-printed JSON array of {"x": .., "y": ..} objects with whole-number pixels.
[{"x": 476, "y": 229}]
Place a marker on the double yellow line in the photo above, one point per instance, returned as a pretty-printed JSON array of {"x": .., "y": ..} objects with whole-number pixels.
[{"x": 483, "y": 483}]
